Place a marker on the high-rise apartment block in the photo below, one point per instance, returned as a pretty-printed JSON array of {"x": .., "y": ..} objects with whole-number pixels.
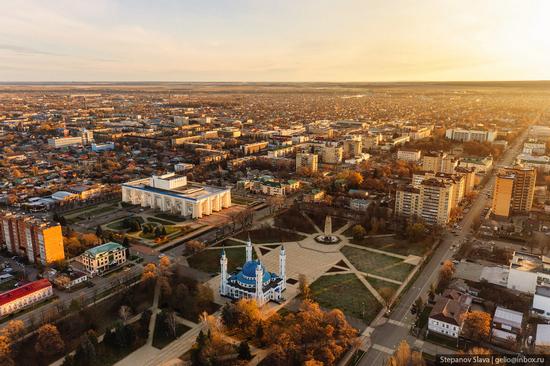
[
  {"x": 353, "y": 147},
  {"x": 431, "y": 201},
  {"x": 514, "y": 191},
  {"x": 306, "y": 162},
  {"x": 38, "y": 240}
]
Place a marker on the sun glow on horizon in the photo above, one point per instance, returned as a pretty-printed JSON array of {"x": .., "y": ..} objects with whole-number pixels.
[{"x": 246, "y": 40}]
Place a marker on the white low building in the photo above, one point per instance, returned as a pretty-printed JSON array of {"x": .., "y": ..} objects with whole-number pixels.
[
  {"x": 448, "y": 313},
  {"x": 174, "y": 194},
  {"x": 527, "y": 271},
  {"x": 541, "y": 302}
]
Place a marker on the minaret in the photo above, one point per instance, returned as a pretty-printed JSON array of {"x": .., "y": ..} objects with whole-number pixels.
[
  {"x": 282, "y": 266},
  {"x": 259, "y": 284},
  {"x": 223, "y": 277},
  {"x": 248, "y": 250}
]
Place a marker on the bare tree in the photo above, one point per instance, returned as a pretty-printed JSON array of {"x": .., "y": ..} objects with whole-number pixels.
[
  {"x": 171, "y": 322},
  {"x": 124, "y": 313}
]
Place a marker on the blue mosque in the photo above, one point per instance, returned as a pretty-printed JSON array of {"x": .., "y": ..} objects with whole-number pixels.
[{"x": 253, "y": 281}]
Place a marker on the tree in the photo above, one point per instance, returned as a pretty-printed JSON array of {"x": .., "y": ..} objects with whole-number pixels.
[
  {"x": 446, "y": 272},
  {"x": 194, "y": 246},
  {"x": 99, "y": 231},
  {"x": 5, "y": 351},
  {"x": 124, "y": 312},
  {"x": 303, "y": 287},
  {"x": 14, "y": 330},
  {"x": 244, "y": 351},
  {"x": 416, "y": 232},
  {"x": 403, "y": 356},
  {"x": 358, "y": 232},
  {"x": 150, "y": 273},
  {"x": 48, "y": 341},
  {"x": 313, "y": 334},
  {"x": 171, "y": 323},
  {"x": 477, "y": 325}
]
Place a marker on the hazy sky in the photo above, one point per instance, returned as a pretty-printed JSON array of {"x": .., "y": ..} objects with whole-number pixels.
[{"x": 276, "y": 40}]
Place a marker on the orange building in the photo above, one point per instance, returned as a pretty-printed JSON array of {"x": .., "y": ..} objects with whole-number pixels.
[{"x": 39, "y": 240}]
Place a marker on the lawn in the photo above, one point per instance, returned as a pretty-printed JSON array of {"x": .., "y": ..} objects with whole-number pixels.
[
  {"x": 209, "y": 260},
  {"x": 319, "y": 220},
  {"x": 379, "y": 284},
  {"x": 228, "y": 243},
  {"x": 119, "y": 224},
  {"x": 392, "y": 244},
  {"x": 378, "y": 264},
  {"x": 294, "y": 220},
  {"x": 162, "y": 338},
  {"x": 270, "y": 235},
  {"x": 347, "y": 293},
  {"x": 170, "y": 217},
  {"x": 151, "y": 235}
]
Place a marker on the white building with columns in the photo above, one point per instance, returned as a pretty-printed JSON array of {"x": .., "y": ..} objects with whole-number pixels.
[
  {"x": 253, "y": 281},
  {"x": 174, "y": 194}
]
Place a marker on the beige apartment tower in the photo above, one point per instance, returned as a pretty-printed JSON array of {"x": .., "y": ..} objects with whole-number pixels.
[
  {"x": 306, "y": 163},
  {"x": 514, "y": 191},
  {"x": 502, "y": 195}
]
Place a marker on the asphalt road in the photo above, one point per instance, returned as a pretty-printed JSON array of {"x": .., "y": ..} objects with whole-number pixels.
[{"x": 392, "y": 332}]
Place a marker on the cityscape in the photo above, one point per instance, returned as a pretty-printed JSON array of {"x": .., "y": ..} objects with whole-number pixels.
[{"x": 273, "y": 217}]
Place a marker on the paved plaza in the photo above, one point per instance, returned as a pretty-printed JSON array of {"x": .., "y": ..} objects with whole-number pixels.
[{"x": 306, "y": 257}]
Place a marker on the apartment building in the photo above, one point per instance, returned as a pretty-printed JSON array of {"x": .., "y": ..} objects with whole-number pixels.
[
  {"x": 352, "y": 148},
  {"x": 534, "y": 147},
  {"x": 502, "y": 195},
  {"x": 255, "y": 147},
  {"x": 521, "y": 181},
  {"x": 59, "y": 142},
  {"x": 431, "y": 200},
  {"x": 409, "y": 154},
  {"x": 433, "y": 161},
  {"x": 306, "y": 162},
  {"x": 459, "y": 134},
  {"x": 448, "y": 164},
  {"x": 479, "y": 164},
  {"x": 40, "y": 241}
]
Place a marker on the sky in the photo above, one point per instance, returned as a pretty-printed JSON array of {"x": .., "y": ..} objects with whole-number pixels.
[{"x": 277, "y": 40}]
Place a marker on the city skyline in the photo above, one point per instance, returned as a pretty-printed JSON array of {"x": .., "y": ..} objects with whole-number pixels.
[{"x": 251, "y": 41}]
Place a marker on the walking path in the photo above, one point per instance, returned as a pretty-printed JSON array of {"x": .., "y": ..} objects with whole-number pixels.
[{"x": 306, "y": 257}]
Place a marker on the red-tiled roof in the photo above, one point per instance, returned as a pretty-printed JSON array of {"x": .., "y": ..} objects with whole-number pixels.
[{"x": 24, "y": 290}]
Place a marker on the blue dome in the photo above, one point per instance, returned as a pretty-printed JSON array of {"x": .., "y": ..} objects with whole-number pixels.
[{"x": 249, "y": 268}]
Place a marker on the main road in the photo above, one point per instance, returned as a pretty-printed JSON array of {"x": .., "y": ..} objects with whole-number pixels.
[{"x": 385, "y": 338}]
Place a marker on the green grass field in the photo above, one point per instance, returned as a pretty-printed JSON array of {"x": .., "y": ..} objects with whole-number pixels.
[
  {"x": 209, "y": 260},
  {"x": 378, "y": 264},
  {"x": 392, "y": 244},
  {"x": 270, "y": 235},
  {"x": 347, "y": 293}
]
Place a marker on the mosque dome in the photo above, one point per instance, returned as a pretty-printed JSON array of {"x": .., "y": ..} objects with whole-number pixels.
[{"x": 248, "y": 274}]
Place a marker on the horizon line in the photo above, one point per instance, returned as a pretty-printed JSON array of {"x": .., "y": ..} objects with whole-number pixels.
[{"x": 271, "y": 82}]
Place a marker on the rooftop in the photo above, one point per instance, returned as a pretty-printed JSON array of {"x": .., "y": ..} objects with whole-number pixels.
[
  {"x": 24, "y": 290},
  {"x": 92, "y": 252}
]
